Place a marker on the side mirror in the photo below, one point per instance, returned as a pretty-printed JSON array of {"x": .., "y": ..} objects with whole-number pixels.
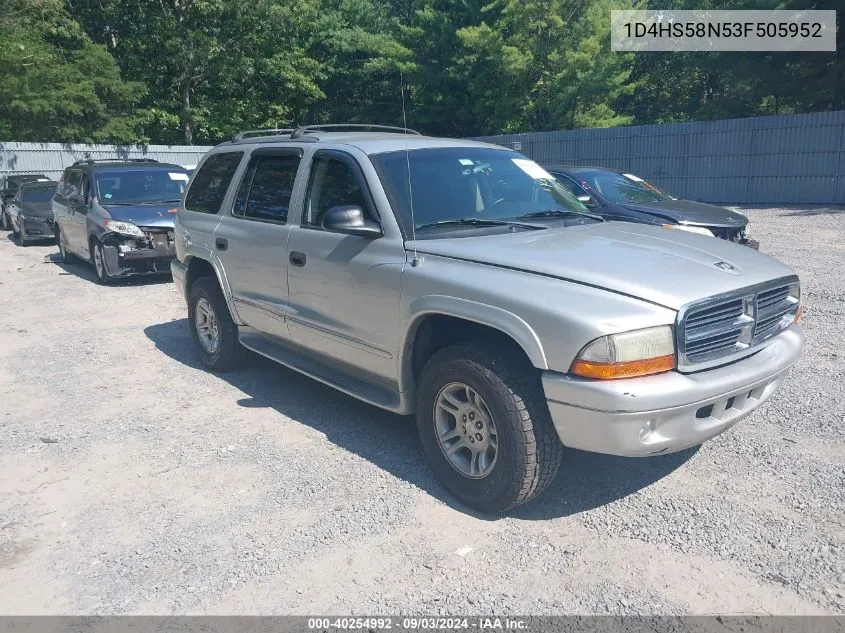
[{"x": 350, "y": 219}]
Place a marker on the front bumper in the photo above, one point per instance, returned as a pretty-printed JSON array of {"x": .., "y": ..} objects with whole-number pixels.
[
  {"x": 138, "y": 261},
  {"x": 37, "y": 229},
  {"x": 668, "y": 412}
]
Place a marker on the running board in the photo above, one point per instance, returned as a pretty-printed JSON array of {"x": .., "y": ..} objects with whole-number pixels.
[{"x": 376, "y": 395}]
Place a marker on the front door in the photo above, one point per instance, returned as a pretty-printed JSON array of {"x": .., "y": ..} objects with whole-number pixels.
[
  {"x": 252, "y": 240},
  {"x": 344, "y": 289}
]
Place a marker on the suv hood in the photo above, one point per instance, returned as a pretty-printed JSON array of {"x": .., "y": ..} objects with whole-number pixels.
[
  {"x": 692, "y": 212},
  {"x": 143, "y": 214},
  {"x": 662, "y": 266}
]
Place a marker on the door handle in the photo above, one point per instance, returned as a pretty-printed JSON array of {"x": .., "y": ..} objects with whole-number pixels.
[
  {"x": 297, "y": 258},
  {"x": 221, "y": 243}
]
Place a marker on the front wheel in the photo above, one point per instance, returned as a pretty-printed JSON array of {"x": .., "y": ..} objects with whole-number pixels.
[
  {"x": 99, "y": 260},
  {"x": 212, "y": 328},
  {"x": 485, "y": 426}
]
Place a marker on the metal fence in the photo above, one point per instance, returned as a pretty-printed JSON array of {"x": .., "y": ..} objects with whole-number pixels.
[
  {"x": 50, "y": 159},
  {"x": 790, "y": 159}
]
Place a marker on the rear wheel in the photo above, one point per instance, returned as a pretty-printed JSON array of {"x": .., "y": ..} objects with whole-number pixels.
[
  {"x": 66, "y": 255},
  {"x": 212, "y": 328},
  {"x": 485, "y": 426}
]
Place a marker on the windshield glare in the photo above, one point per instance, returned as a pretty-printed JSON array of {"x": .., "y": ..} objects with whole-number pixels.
[
  {"x": 625, "y": 188},
  {"x": 469, "y": 183},
  {"x": 139, "y": 186}
]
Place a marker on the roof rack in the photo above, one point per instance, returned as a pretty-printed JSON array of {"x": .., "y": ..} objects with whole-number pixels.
[
  {"x": 302, "y": 130},
  {"x": 252, "y": 133},
  {"x": 92, "y": 161}
]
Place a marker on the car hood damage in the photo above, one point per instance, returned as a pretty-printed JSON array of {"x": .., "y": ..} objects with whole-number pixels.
[
  {"x": 663, "y": 266},
  {"x": 688, "y": 211},
  {"x": 157, "y": 215}
]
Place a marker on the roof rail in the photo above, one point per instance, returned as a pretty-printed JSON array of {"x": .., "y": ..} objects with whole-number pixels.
[
  {"x": 92, "y": 161},
  {"x": 302, "y": 130},
  {"x": 251, "y": 133}
]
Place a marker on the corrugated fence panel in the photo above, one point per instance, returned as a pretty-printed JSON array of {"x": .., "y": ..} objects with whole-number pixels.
[
  {"x": 789, "y": 159},
  {"x": 51, "y": 158}
]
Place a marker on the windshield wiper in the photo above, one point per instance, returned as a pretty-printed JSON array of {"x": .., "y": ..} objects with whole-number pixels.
[
  {"x": 558, "y": 213},
  {"x": 475, "y": 222}
]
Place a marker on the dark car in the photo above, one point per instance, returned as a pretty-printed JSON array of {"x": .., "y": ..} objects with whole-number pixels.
[
  {"x": 9, "y": 184},
  {"x": 616, "y": 195},
  {"x": 118, "y": 215},
  {"x": 31, "y": 213}
]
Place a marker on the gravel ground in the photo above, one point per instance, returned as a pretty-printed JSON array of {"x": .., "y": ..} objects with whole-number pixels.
[{"x": 132, "y": 481}]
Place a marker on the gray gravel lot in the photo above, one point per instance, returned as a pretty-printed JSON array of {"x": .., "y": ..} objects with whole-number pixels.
[{"x": 133, "y": 481}]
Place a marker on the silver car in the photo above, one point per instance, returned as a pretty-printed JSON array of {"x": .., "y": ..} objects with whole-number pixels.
[{"x": 459, "y": 282}]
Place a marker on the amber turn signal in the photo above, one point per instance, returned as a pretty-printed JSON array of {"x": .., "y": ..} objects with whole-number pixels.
[
  {"x": 629, "y": 369},
  {"x": 799, "y": 315}
]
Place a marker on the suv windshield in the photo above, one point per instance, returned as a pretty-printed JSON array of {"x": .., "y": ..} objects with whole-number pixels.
[
  {"x": 139, "y": 186},
  {"x": 476, "y": 185},
  {"x": 39, "y": 194},
  {"x": 624, "y": 188}
]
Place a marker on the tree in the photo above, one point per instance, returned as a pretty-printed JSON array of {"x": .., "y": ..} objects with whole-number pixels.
[{"x": 58, "y": 85}]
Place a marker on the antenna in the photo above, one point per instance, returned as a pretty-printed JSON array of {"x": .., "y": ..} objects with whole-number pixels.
[{"x": 416, "y": 260}]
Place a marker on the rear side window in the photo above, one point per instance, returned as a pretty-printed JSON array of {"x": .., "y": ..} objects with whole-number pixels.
[
  {"x": 211, "y": 183},
  {"x": 266, "y": 189}
]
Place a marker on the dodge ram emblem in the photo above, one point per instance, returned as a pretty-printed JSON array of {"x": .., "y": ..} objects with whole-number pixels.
[{"x": 725, "y": 266}]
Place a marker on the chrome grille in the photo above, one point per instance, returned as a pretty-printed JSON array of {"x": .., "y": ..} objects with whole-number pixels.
[{"x": 715, "y": 330}]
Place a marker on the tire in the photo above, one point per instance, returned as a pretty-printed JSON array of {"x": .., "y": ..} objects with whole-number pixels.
[
  {"x": 66, "y": 256},
  {"x": 98, "y": 261},
  {"x": 528, "y": 452},
  {"x": 206, "y": 300}
]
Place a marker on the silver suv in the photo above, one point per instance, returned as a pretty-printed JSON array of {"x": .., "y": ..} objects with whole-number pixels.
[{"x": 460, "y": 282}]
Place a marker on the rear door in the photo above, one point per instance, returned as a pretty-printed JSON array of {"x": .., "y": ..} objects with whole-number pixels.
[
  {"x": 70, "y": 212},
  {"x": 252, "y": 239}
]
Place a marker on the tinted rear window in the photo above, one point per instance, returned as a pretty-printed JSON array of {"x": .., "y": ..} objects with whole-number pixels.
[{"x": 211, "y": 182}]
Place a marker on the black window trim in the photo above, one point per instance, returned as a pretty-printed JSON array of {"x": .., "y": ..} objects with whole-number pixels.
[
  {"x": 350, "y": 161},
  {"x": 195, "y": 173},
  {"x": 254, "y": 157}
]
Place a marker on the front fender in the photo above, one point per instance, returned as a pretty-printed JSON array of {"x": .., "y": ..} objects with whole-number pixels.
[{"x": 497, "y": 318}]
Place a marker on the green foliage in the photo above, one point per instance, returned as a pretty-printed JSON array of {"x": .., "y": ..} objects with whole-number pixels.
[
  {"x": 196, "y": 71},
  {"x": 57, "y": 84}
]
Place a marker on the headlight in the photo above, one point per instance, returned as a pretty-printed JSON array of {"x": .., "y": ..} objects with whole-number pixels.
[
  {"x": 691, "y": 229},
  {"x": 627, "y": 355},
  {"x": 124, "y": 228}
]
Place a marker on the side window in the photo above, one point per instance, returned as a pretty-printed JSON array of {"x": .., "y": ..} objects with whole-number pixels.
[
  {"x": 211, "y": 182},
  {"x": 574, "y": 188},
  {"x": 73, "y": 183},
  {"x": 333, "y": 183},
  {"x": 266, "y": 189},
  {"x": 86, "y": 188}
]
